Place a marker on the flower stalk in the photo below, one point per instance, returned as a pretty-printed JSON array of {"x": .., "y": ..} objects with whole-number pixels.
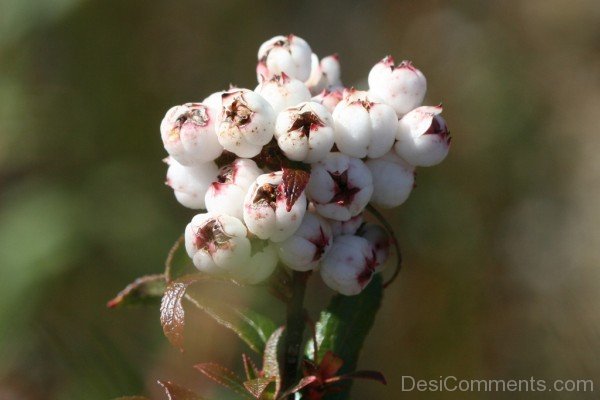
[{"x": 295, "y": 324}]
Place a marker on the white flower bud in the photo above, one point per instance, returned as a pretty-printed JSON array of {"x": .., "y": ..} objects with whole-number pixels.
[
  {"x": 189, "y": 134},
  {"x": 246, "y": 122},
  {"x": 305, "y": 132},
  {"x": 308, "y": 245},
  {"x": 393, "y": 180},
  {"x": 349, "y": 227},
  {"x": 349, "y": 266},
  {"x": 340, "y": 186},
  {"x": 423, "y": 137},
  {"x": 190, "y": 183},
  {"x": 217, "y": 243},
  {"x": 265, "y": 209},
  {"x": 282, "y": 92},
  {"x": 329, "y": 98},
  {"x": 379, "y": 240},
  {"x": 403, "y": 87},
  {"x": 226, "y": 195},
  {"x": 289, "y": 54}
]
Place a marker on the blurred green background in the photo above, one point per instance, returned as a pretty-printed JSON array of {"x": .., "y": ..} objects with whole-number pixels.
[{"x": 501, "y": 242}]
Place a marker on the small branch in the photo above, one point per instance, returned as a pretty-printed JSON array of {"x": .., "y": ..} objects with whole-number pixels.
[
  {"x": 169, "y": 262},
  {"x": 294, "y": 330}
]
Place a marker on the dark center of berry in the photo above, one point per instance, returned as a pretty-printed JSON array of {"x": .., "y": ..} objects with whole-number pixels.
[
  {"x": 238, "y": 112},
  {"x": 197, "y": 115},
  {"x": 211, "y": 236},
  {"x": 437, "y": 128},
  {"x": 306, "y": 122},
  {"x": 226, "y": 174},
  {"x": 344, "y": 193},
  {"x": 266, "y": 195}
]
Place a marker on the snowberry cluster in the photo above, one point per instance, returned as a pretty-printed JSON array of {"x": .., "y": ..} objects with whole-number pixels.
[{"x": 241, "y": 155}]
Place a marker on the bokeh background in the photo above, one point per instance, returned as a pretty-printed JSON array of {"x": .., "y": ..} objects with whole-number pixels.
[{"x": 501, "y": 242}]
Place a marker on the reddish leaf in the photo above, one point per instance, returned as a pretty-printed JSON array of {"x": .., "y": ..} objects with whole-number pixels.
[
  {"x": 294, "y": 183},
  {"x": 257, "y": 386},
  {"x": 143, "y": 290},
  {"x": 223, "y": 377},
  {"x": 172, "y": 315},
  {"x": 304, "y": 382},
  {"x": 175, "y": 392},
  {"x": 330, "y": 365},
  {"x": 368, "y": 375}
]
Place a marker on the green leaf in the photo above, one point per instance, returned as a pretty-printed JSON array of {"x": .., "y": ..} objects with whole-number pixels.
[
  {"x": 178, "y": 263},
  {"x": 145, "y": 290},
  {"x": 172, "y": 315},
  {"x": 343, "y": 327},
  {"x": 253, "y": 328},
  {"x": 176, "y": 392},
  {"x": 224, "y": 377}
]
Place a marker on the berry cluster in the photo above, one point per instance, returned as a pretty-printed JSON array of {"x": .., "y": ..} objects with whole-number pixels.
[{"x": 285, "y": 171}]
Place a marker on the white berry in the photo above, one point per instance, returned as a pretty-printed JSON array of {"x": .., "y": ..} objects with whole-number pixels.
[
  {"x": 393, "y": 180},
  {"x": 190, "y": 183},
  {"x": 282, "y": 92},
  {"x": 308, "y": 245},
  {"x": 189, "y": 134},
  {"x": 265, "y": 209},
  {"x": 340, "y": 186},
  {"x": 305, "y": 132},
  {"x": 246, "y": 122},
  {"x": 217, "y": 243},
  {"x": 423, "y": 137},
  {"x": 403, "y": 86},
  {"x": 349, "y": 266},
  {"x": 286, "y": 54},
  {"x": 226, "y": 195},
  {"x": 364, "y": 127}
]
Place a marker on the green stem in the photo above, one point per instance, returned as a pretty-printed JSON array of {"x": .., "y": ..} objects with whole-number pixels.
[{"x": 294, "y": 330}]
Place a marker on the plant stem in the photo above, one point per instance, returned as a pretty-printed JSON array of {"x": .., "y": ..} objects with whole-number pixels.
[{"x": 294, "y": 330}]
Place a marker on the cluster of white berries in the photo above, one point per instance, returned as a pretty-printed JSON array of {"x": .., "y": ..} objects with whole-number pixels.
[{"x": 232, "y": 154}]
